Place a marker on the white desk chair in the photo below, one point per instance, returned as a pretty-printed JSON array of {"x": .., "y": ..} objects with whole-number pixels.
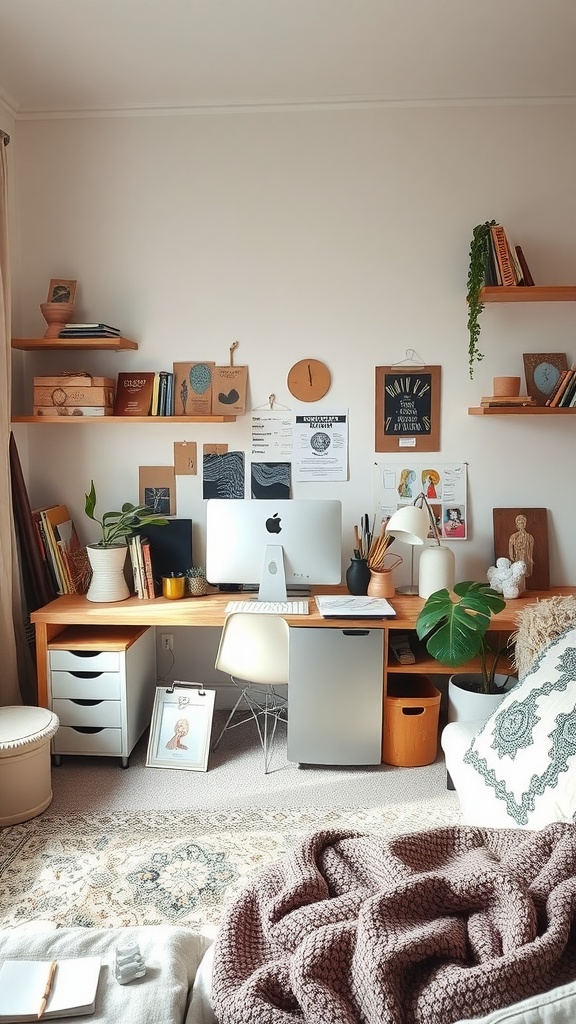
[{"x": 253, "y": 650}]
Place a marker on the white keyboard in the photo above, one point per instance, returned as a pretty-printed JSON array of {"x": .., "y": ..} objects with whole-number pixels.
[{"x": 270, "y": 607}]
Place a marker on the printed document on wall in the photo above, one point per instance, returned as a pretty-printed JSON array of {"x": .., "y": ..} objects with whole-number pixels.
[
  {"x": 271, "y": 436},
  {"x": 442, "y": 483},
  {"x": 320, "y": 446}
]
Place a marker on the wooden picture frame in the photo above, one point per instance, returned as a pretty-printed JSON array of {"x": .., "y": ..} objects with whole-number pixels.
[
  {"x": 407, "y": 410},
  {"x": 61, "y": 290},
  {"x": 181, "y": 727},
  {"x": 542, "y": 371},
  {"x": 524, "y": 541}
]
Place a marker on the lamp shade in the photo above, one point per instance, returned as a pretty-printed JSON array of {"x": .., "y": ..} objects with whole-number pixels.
[
  {"x": 409, "y": 524},
  {"x": 436, "y": 570}
]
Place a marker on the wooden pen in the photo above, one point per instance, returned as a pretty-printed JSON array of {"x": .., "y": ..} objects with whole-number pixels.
[{"x": 48, "y": 988}]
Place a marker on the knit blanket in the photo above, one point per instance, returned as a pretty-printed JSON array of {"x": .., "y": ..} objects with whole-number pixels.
[{"x": 429, "y": 927}]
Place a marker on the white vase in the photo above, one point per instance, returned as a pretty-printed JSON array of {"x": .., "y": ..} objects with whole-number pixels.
[
  {"x": 108, "y": 582},
  {"x": 466, "y": 705}
]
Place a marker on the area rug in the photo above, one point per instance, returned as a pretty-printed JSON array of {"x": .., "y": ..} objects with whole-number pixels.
[{"x": 180, "y": 868}]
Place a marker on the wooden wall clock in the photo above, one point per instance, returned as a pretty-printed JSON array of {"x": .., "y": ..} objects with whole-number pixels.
[
  {"x": 407, "y": 408},
  {"x": 309, "y": 380}
]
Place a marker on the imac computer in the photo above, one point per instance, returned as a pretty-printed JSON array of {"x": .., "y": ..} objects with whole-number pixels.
[{"x": 293, "y": 543}]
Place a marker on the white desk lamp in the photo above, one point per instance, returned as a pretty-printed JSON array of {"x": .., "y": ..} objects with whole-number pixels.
[{"x": 411, "y": 524}]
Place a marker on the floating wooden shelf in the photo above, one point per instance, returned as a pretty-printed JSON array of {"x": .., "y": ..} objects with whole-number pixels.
[
  {"x": 67, "y": 420},
  {"x": 536, "y": 293},
  {"x": 69, "y": 344},
  {"x": 520, "y": 410}
]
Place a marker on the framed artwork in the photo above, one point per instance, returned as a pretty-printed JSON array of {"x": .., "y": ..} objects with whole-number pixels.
[
  {"x": 181, "y": 727},
  {"x": 542, "y": 371},
  {"x": 157, "y": 489},
  {"x": 521, "y": 534},
  {"x": 61, "y": 291},
  {"x": 407, "y": 413}
]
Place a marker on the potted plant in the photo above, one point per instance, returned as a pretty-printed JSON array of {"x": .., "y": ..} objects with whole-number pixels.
[
  {"x": 107, "y": 556},
  {"x": 456, "y": 631},
  {"x": 479, "y": 255}
]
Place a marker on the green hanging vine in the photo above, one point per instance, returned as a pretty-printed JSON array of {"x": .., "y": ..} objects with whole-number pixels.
[{"x": 479, "y": 253}]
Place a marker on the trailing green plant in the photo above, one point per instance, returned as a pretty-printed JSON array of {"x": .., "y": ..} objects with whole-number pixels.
[
  {"x": 455, "y": 630},
  {"x": 479, "y": 255},
  {"x": 116, "y": 526}
]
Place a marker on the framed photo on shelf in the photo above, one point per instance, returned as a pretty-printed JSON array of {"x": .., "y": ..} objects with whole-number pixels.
[
  {"x": 407, "y": 412},
  {"x": 61, "y": 291},
  {"x": 542, "y": 371},
  {"x": 181, "y": 726}
]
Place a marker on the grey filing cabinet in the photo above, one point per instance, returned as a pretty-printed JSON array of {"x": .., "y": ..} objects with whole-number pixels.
[
  {"x": 335, "y": 696},
  {"x": 101, "y": 684}
]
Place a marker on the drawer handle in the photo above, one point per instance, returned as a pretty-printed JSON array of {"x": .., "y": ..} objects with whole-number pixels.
[
  {"x": 85, "y": 654},
  {"x": 88, "y": 730},
  {"x": 86, "y": 675},
  {"x": 86, "y": 703}
]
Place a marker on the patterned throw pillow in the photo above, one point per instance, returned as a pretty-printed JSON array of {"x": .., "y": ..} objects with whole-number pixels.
[{"x": 526, "y": 751}]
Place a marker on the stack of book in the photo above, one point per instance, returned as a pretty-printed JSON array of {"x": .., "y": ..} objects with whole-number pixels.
[
  {"x": 494, "y": 401},
  {"x": 89, "y": 331},
  {"x": 65, "y": 557},
  {"x": 139, "y": 549},
  {"x": 564, "y": 394},
  {"x": 506, "y": 263}
]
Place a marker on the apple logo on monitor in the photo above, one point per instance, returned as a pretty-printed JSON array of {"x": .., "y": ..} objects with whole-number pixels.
[{"x": 273, "y": 524}]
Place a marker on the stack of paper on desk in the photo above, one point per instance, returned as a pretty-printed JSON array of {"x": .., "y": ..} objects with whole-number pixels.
[
  {"x": 23, "y": 984},
  {"x": 348, "y": 607}
]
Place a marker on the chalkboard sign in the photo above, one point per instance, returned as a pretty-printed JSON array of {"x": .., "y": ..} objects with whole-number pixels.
[{"x": 407, "y": 408}]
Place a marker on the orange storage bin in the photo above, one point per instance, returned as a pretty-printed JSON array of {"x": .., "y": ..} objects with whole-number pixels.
[{"x": 411, "y": 713}]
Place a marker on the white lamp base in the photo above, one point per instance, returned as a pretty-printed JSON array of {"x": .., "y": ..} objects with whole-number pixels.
[{"x": 437, "y": 570}]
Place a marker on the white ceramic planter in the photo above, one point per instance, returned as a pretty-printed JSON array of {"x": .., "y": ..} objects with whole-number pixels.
[
  {"x": 468, "y": 706},
  {"x": 108, "y": 582}
]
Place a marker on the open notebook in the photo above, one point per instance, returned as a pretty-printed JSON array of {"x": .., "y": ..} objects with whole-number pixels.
[
  {"x": 345, "y": 606},
  {"x": 23, "y": 983}
]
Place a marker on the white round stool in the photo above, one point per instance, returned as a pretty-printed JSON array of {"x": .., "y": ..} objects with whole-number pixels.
[{"x": 25, "y": 775}]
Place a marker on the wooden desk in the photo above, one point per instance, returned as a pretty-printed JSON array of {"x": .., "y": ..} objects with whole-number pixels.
[{"x": 53, "y": 618}]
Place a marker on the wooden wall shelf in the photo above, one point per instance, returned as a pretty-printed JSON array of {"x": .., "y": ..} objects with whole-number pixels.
[
  {"x": 536, "y": 293},
  {"x": 46, "y": 421},
  {"x": 70, "y": 344},
  {"x": 522, "y": 410}
]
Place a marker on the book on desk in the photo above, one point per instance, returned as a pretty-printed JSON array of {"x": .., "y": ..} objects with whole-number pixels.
[{"x": 347, "y": 606}]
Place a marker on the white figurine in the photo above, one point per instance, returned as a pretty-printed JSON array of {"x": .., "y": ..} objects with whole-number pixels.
[{"x": 506, "y": 577}]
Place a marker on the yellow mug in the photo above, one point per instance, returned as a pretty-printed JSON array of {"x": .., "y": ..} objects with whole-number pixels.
[{"x": 174, "y": 585}]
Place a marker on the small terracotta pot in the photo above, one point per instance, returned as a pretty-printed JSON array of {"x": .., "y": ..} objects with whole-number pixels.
[{"x": 505, "y": 387}]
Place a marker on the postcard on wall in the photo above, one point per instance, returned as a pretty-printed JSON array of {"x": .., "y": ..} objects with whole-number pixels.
[
  {"x": 223, "y": 475},
  {"x": 443, "y": 484},
  {"x": 271, "y": 435},
  {"x": 157, "y": 489},
  {"x": 185, "y": 458},
  {"x": 229, "y": 386},
  {"x": 193, "y": 388},
  {"x": 320, "y": 446},
  {"x": 270, "y": 480}
]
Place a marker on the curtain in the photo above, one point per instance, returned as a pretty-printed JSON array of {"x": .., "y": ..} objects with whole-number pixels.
[{"x": 16, "y": 680}]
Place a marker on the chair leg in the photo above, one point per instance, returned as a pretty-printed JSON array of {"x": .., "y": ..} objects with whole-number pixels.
[{"x": 228, "y": 720}]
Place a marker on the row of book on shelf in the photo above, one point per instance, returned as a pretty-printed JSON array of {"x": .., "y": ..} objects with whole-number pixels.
[
  {"x": 141, "y": 560},
  {"x": 64, "y": 557},
  {"x": 506, "y": 263},
  {"x": 189, "y": 389},
  {"x": 564, "y": 394}
]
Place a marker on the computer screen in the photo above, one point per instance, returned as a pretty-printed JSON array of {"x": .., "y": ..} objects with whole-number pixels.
[{"x": 274, "y": 544}]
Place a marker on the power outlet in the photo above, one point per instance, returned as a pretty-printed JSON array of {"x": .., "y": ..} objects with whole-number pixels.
[{"x": 167, "y": 641}]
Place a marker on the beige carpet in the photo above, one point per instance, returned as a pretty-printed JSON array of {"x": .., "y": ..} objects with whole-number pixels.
[{"x": 166, "y": 867}]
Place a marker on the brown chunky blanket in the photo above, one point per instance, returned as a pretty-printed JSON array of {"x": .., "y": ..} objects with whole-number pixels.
[{"x": 430, "y": 927}]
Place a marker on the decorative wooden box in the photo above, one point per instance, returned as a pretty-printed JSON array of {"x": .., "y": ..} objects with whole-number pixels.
[{"x": 73, "y": 395}]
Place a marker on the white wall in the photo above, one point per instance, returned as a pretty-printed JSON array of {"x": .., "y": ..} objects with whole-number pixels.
[{"x": 341, "y": 235}]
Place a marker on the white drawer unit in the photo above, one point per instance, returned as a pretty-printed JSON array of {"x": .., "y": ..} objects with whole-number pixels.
[{"x": 101, "y": 684}]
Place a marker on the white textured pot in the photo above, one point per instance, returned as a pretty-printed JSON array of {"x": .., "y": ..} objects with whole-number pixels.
[
  {"x": 466, "y": 705},
  {"x": 108, "y": 582}
]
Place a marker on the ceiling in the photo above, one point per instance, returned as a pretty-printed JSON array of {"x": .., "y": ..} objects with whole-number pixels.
[{"x": 63, "y": 56}]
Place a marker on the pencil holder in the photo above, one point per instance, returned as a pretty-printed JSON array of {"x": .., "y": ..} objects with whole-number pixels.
[
  {"x": 174, "y": 585},
  {"x": 381, "y": 583},
  {"x": 196, "y": 585}
]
